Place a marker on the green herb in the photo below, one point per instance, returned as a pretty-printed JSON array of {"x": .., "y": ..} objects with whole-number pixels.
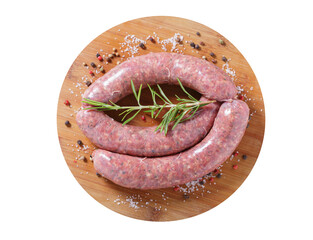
[{"x": 182, "y": 111}]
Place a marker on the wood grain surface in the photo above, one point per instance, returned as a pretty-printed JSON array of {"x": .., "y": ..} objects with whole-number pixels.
[{"x": 163, "y": 204}]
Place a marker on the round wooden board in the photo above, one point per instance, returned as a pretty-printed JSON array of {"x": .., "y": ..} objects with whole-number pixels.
[{"x": 163, "y": 204}]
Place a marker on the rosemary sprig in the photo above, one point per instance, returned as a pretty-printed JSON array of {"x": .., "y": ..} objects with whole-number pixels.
[{"x": 182, "y": 111}]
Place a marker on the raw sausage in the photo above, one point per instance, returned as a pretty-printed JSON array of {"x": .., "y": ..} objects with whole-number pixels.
[
  {"x": 161, "y": 68},
  {"x": 108, "y": 134},
  {"x": 161, "y": 172}
]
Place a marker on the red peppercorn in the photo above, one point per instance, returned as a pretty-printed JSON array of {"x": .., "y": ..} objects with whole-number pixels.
[
  {"x": 91, "y": 72},
  {"x": 215, "y": 171},
  {"x": 143, "y": 118},
  {"x": 211, "y": 179},
  {"x": 176, "y": 188},
  {"x": 236, "y": 153},
  {"x": 75, "y": 161},
  {"x": 240, "y": 97},
  {"x": 67, "y": 103},
  {"x": 235, "y": 167},
  {"x": 100, "y": 58}
]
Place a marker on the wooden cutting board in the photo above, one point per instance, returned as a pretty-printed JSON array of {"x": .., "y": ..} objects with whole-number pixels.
[{"x": 164, "y": 204}]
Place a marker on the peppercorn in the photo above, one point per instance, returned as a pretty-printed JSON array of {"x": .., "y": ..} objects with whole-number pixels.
[
  {"x": 211, "y": 179},
  {"x": 67, "y": 123},
  {"x": 212, "y": 54},
  {"x": 101, "y": 69},
  {"x": 84, "y": 64},
  {"x": 142, "y": 45},
  {"x": 176, "y": 188},
  {"x": 240, "y": 97},
  {"x": 114, "y": 50},
  {"x": 79, "y": 142},
  {"x": 204, "y": 57},
  {"x": 186, "y": 196},
  {"x": 224, "y": 59},
  {"x": 219, "y": 175},
  {"x": 67, "y": 103},
  {"x": 98, "y": 175},
  {"x": 108, "y": 59},
  {"x": 201, "y": 182},
  {"x": 88, "y": 83},
  {"x": 98, "y": 55},
  {"x": 215, "y": 171},
  {"x": 143, "y": 118},
  {"x": 110, "y": 55},
  {"x": 236, "y": 153},
  {"x": 198, "y": 33},
  {"x": 202, "y": 43},
  {"x": 244, "y": 156},
  {"x": 214, "y": 61},
  {"x": 113, "y": 53},
  {"x": 221, "y": 41},
  {"x": 93, "y": 64},
  {"x": 192, "y": 44},
  {"x": 152, "y": 39},
  {"x": 90, "y": 157},
  {"x": 91, "y": 72},
  {"x": 117, "y": 54},
  {"x": 197, "y": 46},
  {"x": 235, "y": 167},
  {"x": 100, "y": 58}
]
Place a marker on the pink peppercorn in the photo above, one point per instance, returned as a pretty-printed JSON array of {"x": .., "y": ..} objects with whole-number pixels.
[
  {"x": 211, "y": 179},
  {"x": 235, "y": 167},
  {"x": 91, "y": 72},
  {"x": 100, "y": 58},
  {"x": 143, "y": 118},
  {"x": 236, "y": 153},
  {"x": 240, "y": 97},
  {"x": 66, "y": 102},
  {"x": 176, "y": 188}
]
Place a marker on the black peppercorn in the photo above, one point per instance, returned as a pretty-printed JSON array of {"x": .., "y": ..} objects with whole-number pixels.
[
  {"x": 67, "y": 123},
  {"x": 88, "y": 83},
  {"x": 192, "y": 44},
  {"x": 224, "y": 59},
  {"x": 142, "y": 45},
  {"x": 93, "y": 64},
  {"x": 79, "y": 142}
]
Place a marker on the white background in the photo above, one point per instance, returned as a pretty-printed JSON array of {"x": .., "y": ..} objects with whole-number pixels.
[{"x": 40, "y": 199}]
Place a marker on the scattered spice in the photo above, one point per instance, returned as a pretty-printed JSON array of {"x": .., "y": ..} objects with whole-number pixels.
[
  {"x": 211, "y": 179},
  {"x": 192, "y": 44},
  {"x": 91, "y": 72},
  {"x": 97, "y": 55},
  {"x": 240, "y": 97},
  {"x": 90, "y": 157},
  {"x": 101, "y": 69},
  {"x": 235, "y": 167},
  {"x": 215, "y": 171},
  {"x": 244, "y": 156},
  {"x": 236, "y": 153},
  {"x": 110, "y": 55},
  {"x": 79, "y": 142},
  {"x": 176, "y": 188},
  {"x": 117, "y": 54},
  {"x": 84, "y": 64},
  {"x": 100, "y": 58},
  {"x": 98, "y": 174},
  {"x": 88, "y": 83},
  {"x": 214, "y": 61},
  {"x": 204, "y": 57},
  {"x": 201, "y": 182},
  {"x": 67, "y": 103},
  {"x": 143, "y": 118},
  {"x": 224, "y": 59},
  {"x": 142, "y": 45},
  {"x": 93, "y": 64},
  {"x": 197, "y": 47},
  {"x": 186, "y": 196},
  {"x": 198, "y": 34},
  {"x": 67, "y": 123},
  {"x": 202, "y": 43},
  {"x": 75, "y": 161},
  {"x": 219, "y": 175},
  {"x": 114, "y": 50},
  {"x": 221, "y": 41},
  {"x": 212, "y": 54},
  {"x": 108, "y": 59},
  {"x": 118, "y": 62}
]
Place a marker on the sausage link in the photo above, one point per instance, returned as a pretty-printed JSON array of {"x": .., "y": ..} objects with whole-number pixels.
[
  {"x": 160, "y": 68},
  {"x": 108, "y": 134},
  {"x": 161, "y": 172}
]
